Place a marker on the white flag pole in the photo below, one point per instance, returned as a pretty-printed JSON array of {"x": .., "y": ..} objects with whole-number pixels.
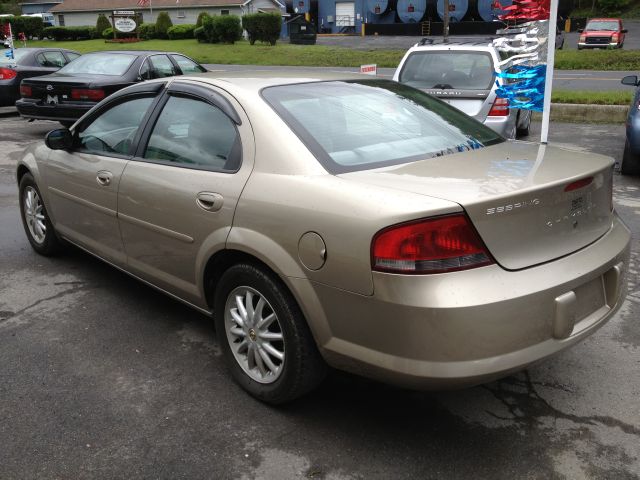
[{"x": 548, "y": 81}]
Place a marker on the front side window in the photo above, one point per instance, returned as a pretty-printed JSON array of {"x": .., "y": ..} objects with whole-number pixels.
[
  {"x": 358, "y": 125},
  {"x": 114, "y": 64},
  {"x": 441, "y": 70},
  {"x": 194, "y": 133},
  {"x": 113, "y": 131},
  {"x": 187, "y": 65}
]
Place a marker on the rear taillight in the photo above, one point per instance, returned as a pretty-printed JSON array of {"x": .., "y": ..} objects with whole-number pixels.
[
  {"x": 578, "y": 184},
  {"x": 436, "y": 245},
  {"x": 25, "y": 91},
  {"x": 500, "y": 108},
  {"x": 7, "y": 73},
  {"x": 87, "y": 94}
]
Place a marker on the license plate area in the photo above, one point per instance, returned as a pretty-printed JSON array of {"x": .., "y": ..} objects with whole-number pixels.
[{"x": 590, "y": 297}]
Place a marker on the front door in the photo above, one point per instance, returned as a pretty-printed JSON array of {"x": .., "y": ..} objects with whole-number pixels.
[
  {"x": 178, "y": 196},
  {"x": 83, "y": 183}
]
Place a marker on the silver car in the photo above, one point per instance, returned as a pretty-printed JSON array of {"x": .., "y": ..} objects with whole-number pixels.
[
  {"x": 461, "y": 73},
  {"x": 352, "y": 222}
]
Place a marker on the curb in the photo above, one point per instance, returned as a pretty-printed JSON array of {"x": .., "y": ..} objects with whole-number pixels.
[{"x": 586, "y": 113}]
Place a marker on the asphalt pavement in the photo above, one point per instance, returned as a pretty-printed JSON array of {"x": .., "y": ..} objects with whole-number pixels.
[{"x": 102, "y": 377}]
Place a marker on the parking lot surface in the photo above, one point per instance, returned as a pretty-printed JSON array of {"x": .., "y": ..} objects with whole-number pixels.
[{"x": 103, "y": 377}]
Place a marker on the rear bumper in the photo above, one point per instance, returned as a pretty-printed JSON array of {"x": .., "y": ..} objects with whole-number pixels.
[
  {"x": 8, "y": 94},
  {"x": 62, "y": 111},
  {"x": 505, "y": 126},
  {"x": 465, "y": 328}
]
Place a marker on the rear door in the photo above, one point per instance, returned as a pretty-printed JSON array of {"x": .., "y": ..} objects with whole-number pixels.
[
  {"x": 83, "y": 183},
  {"x": 461, "y": 78},
  {"x": 178, "y": 195}
]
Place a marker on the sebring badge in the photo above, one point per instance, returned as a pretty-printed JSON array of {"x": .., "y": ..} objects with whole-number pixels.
[{"x": 513, "y": 206}]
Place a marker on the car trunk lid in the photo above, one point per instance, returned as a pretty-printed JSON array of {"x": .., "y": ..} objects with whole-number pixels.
[
  {"x": 56, "y": 88},
  {"x": 530, "y": 204}
]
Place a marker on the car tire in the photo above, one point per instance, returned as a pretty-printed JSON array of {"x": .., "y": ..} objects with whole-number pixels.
[
  {"x": 251, "y": 350},
  {"x": 523, "y": 131},
  {"x": 630, "y": 164},
  {"x": 35, "y": 219}
]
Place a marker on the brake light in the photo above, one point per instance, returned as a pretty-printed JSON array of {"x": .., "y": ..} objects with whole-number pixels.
[
  {"x": 436, "y": 245},
  {"x": 578, "y": 184},
  {"x": 7, "y": 73},
  {"x": 500, "y": 108},
  {"x": 87, "y": 94},
  {"x": 25, "y": 91}
]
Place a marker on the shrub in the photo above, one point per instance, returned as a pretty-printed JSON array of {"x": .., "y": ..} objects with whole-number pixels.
[
  {"x": 163, "y": 23},
  {"x": 30, "y": 26},
  {"x": 180, "y": 32},
  {"x": 70, "y": 33},
  {"x": 263, "y": 27},
  {"x": 227, "y": 27},
  {"x": 147, "y": 31},
  {"x": 102, "y": 24},
  {"x": 201, "y": 17},
  {"x": 107, "y": 33},
  {"x": 210, "y": 33},
  {"x": 200, "y": 34},
  {"x": 612, "y": 7}
]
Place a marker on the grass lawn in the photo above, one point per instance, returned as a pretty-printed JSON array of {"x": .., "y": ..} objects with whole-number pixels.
[
  {"x": 598, "y": 98},
  {"x": 242, "y": 53}
]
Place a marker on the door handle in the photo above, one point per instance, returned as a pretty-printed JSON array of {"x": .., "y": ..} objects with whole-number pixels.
[
  {"x": 211, "y": 202},
  {"x": 104, "y": 178}
]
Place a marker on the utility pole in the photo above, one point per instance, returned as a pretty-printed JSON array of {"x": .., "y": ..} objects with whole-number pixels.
[{"x": 445, "y": 27}]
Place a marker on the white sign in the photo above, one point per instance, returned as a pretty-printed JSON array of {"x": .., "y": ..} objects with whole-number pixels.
[
  {"x": 125, "y": 25},
  {"x": 369, "y": 69},
  {"x": 124, "y": 12}
]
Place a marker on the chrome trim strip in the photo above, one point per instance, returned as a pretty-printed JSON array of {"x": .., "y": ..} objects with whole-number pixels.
[
  {"x": 82, "y": 201},
  {"x": 169, "y": 294},
  {"x": 156, "y": 228}
]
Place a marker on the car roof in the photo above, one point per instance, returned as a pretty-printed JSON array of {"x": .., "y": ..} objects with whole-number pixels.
[
  {"x": 474, "y": 42},
  {"x": 255, "y": 80},
  {"x": 134, "y": 52}
]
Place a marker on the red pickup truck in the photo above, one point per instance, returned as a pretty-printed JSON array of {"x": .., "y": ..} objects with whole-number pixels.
[{"x": 602, "y": 33}]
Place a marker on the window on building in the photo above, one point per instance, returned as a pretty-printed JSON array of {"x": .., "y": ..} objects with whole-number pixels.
[
  {"x": 61, "y": 20},
  {"x": 224, "y": 12},
  {"x": 181, "y": 14}
]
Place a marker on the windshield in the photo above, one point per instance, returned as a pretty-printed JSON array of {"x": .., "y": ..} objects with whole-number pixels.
[
  {"x": 100, "y": 64},
  {"x": 365, "y": 124},
  {"x": 602, "y": 25},
  {"x": 17, "y": 53},
  {"x": 458, "y": 70}
]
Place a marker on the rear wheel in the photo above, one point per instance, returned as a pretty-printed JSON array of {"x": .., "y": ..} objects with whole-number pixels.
[
  {"x": 522, "y": 130},
  {"x": 266, "y": 341},
  {"x": 35, "y": 218},
  {"x": 630, "y": 164}
]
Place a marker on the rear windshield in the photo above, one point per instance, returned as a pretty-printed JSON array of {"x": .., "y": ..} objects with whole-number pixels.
[
  {"x": 18, "y": 55},
  {"x": 358, "y": 125},
  {"x": 602, "y": 25},
  {"x": 452, "y": 69},
  {"x": 100, "y": 64}
]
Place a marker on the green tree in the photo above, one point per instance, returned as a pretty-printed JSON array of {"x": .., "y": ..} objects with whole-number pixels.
[
  {"x": 102, "y": 24},
  {"x": 163, "y": 23},
  {"x": 201, "y": 17}
]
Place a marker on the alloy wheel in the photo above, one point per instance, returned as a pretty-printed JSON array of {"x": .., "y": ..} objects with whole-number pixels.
[{"x": 34, "y": 215}]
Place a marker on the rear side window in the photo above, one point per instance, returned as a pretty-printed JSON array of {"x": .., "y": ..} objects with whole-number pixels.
[
  {"x": 51, "y": 59},
  {"x": 451, "y": 69},
  {"x": 365, "y": 124},
  {"x": 161, "y": 66},
  {"x": 193, "y": 133}
]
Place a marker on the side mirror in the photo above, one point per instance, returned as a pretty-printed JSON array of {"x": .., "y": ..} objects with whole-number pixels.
[
  {"x": 60, "y": 139},
  {"x": 624, "y": 30},
  {"x": 580, "y": 30},
  {"x": 630, "y": 80}
]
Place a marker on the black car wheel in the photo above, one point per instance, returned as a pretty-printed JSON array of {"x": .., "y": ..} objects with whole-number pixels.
[
  {"x": 35, "y": 218},
  {"x": 523, "y": 131},
  {"x": 265, "y": 338},
  {"x": 630, "y": 164}
]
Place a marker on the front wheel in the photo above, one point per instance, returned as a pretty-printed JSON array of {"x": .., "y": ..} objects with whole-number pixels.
[
  {"x": 630, "y": 164},
  {"x": 35, "y": 218},
  {"x": 265, "y": 338}
]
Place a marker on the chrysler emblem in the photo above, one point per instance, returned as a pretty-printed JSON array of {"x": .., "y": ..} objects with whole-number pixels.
[{"x": 49, "y": 87}]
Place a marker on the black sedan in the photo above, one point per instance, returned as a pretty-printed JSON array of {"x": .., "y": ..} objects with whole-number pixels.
[
  {"x": 69, "y": 93},
  {"x": 28, "y": 62}
]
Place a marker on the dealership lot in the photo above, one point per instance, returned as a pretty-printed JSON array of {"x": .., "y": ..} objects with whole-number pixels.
[{"x": 104, "y": 377}]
